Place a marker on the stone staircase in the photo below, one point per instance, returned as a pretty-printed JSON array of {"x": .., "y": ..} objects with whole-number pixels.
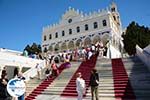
[
  {"x": 106, "y": 87},
  {"x": 34, "y": 82},
  {"x": 137, "y": 72},
  {"x": 31, "y": 85},
  {"x": 57, "y": 86},
  {"x": 139, "y": 76},
  {"x": 60, "y": 83},
  {"x": 84, "y": 68}
]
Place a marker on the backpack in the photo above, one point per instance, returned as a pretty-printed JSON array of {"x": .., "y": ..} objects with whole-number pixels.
[{"x": 3, "y": 90}]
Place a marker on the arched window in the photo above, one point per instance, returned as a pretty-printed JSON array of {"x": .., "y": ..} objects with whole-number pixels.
[
  {"x": 114, "y": 18},
  {"x": 78, "y": 29},
  {"x": 95, "y": 25},
  {"x": 50, "y": 36},
  {"x": 44, "y": 37},
  {"x": 45, "y": 50},
  {"x": 104, "y": 23},
  {"x": 50, "y": 48},
  {"x": 63, "y": 33},
  {"x": 56, "y": 35},
  {"x": 86, "y": 27},
  {"x": 70, "y": 31},
  {"x": 113, "y": 9}
]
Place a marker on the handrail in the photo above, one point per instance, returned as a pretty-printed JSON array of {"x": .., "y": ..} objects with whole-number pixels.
[
  {"x": 21, "y": 61},
  {"x": 33, "y": 71},
  {"x": 14, "y": 59}
]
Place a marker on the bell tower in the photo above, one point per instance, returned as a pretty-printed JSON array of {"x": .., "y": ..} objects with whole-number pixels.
[{"x": 115, "y": 13}]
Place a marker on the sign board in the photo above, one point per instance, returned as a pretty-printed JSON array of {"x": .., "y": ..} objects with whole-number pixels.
[{"x": 16, "y": 87}]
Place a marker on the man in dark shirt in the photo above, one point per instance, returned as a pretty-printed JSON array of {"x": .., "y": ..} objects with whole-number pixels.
[
  {"x": 4, "y": 71},
  {"x": 3, "y": 91},
  {"x": 94, "y": 82}
]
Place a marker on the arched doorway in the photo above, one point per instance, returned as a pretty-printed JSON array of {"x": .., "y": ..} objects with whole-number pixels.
[
  {"x": 64, "y": 46},
  {"x": 45, "y": 50},
  {"x": 56, "y": 47},
  {"x": 50, "y": 48},
  {"x": 105, "y": 38},
  {"x": 87, "y": 42},
  {"x": 71, "y": 45},
  {"x": 56, "y": 59},
  {"x": 78, "y": 43},
  {"x": 96, "y": 39}
]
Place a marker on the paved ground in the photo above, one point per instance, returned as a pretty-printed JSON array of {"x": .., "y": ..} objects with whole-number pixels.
[{"x": 56, "y": 97}]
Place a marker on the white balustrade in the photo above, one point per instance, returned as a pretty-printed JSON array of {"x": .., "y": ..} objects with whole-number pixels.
[{"x": 7, "y": 59}]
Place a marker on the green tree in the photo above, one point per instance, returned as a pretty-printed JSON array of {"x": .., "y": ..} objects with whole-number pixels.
[
  {"x": 136, "y": 34},
  {"x": 28, "y": 49},
  {"x": 33, "y": 49}
]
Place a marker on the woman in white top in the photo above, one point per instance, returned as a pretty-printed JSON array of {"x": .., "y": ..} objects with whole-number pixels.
[
  {"x": 80, "y": 86},
  {"x": 38, "y": 67}
]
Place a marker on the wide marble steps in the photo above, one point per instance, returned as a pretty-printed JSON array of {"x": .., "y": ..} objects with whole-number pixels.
[{"x": 137, "y": 72}]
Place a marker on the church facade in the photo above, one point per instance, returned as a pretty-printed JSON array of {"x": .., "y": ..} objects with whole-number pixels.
[{"x": 77, "y": 29}]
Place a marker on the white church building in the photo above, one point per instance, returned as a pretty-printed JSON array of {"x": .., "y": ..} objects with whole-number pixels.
[{"x": 77, "y": 29}]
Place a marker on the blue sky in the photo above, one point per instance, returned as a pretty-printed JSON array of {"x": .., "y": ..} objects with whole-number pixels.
[{"x": 21, "y": 21}]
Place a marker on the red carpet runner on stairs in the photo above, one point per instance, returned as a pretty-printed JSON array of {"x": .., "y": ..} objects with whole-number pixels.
[
  {"x": 85, "y": 68},
  {"x": 122, "y": 87},
  {"x": 38, "y": 90}
]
